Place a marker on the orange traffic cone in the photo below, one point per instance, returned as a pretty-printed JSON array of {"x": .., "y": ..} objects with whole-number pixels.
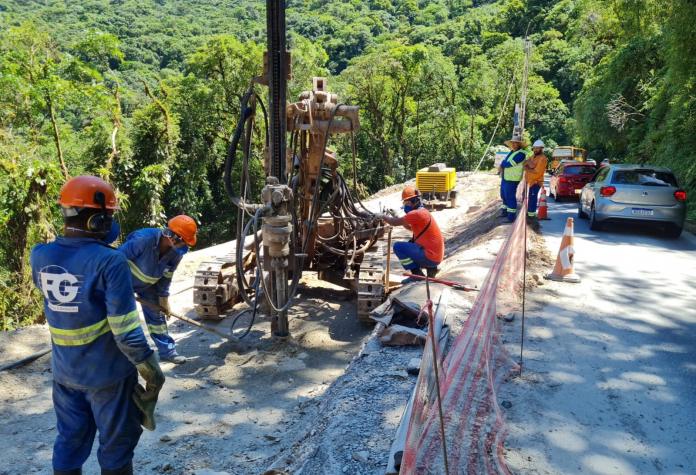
[
  {"x": 543, "y": 208},
  {"x": 564, "y": 270}
]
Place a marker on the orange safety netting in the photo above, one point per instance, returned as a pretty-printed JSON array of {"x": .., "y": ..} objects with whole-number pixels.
[{"x": 470, "y": 377}]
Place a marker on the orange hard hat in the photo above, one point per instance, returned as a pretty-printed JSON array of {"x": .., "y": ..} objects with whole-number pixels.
[
  {"x": 185, "y": 227},
  {"x": 80, "y": 192},
  {"x": 409, "y": 193}
]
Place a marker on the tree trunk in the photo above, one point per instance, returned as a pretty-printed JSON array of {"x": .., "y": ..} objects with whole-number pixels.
[
  {"x": 170, "y": 142},
  {"x": 56, "y": 136}
]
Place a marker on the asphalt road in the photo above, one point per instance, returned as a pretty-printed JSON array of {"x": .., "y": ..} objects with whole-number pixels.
[{"x": 610, "y": 364}]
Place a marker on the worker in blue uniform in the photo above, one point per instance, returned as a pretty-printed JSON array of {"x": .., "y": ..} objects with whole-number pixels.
[
  {"x": 512, "y": 168},
  {"x": 153, "y": 256},
  {"x": 98, "y": 344}
]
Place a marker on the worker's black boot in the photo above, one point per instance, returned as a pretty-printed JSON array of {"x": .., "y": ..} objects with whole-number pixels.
[
  {"x": 74, "y": 471},
  {"x": 432, "y": 271},
  {"x": 127, "y": 469},
  {"x": 416, "y": 271}
]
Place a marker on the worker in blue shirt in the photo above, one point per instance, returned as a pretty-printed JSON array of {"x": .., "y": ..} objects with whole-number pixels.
[
  {"x": 98, "y": 343},
  {"x": 512, "y": 168},
  {"x": 153, "y": 256}
]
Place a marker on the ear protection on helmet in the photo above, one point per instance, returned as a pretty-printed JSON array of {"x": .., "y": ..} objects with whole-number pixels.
[{"x": 100, "y": 223}]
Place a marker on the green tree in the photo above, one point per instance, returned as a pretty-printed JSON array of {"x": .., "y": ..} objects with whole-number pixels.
[{"x": 408, "y": 97}]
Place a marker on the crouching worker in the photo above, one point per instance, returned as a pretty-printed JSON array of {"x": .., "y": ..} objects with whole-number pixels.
[
  {"x": 427, "y": 248},
  {"x": 98, "y": 344},
  {"x": 153, "y": 256}
]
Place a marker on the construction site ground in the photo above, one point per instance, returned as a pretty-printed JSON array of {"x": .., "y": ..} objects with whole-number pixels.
[
  {"x": 329, "y": 400},
  {"x": 313, "y": 402}
]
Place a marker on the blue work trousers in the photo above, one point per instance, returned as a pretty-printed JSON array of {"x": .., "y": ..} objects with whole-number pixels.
[
  {"x": 510, "y": 198},
  {"x": 157, "y": 324},
  {"x": 412, "y": 255},
  {"x": 502, "y": 192},
  {"x": 533, "y": 199},
  {"x": 81, "y": 412}
]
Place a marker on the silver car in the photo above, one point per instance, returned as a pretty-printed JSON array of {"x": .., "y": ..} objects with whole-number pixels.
[{"x": 637, "y": 194}]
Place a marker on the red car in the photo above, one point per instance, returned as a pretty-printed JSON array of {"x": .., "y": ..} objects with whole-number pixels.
[{"x": 570, "y": 178}]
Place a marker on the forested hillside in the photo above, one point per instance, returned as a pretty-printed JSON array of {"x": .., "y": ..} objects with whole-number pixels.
[{"x": 147, "y": 93}]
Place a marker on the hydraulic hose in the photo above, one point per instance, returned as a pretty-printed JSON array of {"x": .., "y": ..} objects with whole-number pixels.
[
  {"x": 232, "y": 153},
  {"x": 265, "y": 116},
  {"x": 246, "y": 310},
  {"x": 241, "y": 279},
  {"x": 296, "y": 276}
]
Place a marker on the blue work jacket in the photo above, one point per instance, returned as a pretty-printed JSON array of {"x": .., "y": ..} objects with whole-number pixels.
[
  {"x": 142, "y": 251},
  {"x": 90, "y": 309}
]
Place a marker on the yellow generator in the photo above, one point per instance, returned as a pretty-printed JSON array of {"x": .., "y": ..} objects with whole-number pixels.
[{"x": 436, "y": 182}]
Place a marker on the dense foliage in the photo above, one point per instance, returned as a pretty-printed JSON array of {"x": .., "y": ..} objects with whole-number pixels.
[{"x": 147, "y": 93}]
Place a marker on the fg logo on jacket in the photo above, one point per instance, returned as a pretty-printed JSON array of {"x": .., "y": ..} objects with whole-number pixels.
[{"x": 60, "y": 288}]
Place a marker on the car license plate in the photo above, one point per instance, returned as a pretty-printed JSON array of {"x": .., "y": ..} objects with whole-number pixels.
[
  {"x": 577, "y": 192},
  {"x": 641, "y": 212}
]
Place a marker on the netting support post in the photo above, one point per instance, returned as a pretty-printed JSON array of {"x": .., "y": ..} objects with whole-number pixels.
[
  {"x": 431, "y": 332},
  {"x": 524, "y": 280}
]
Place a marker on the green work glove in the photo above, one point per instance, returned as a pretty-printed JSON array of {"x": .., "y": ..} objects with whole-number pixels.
[
  {"x": 146, "y": 398},
  {"x": 147, "y": 420},
  {"x": 164, "y": 303},
  {"x": 153, "y": 376}
]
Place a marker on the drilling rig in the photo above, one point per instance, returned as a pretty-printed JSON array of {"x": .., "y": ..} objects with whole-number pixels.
[{"x": 307, "y": 219}]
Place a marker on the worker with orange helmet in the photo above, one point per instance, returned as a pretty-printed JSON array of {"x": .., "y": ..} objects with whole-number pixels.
[
  {"x": 427, "y": 247},
  {"x": 153, "y": 255},
  {"x": 98, "y": 344}
]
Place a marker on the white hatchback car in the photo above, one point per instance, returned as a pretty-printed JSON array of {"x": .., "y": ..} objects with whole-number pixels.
[{"x": 637, "y": 194}]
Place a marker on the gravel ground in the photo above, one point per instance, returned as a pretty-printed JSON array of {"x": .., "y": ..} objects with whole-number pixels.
[{"x": 356, "y": 422}]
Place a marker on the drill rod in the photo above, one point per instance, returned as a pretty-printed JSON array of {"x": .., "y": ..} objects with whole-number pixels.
[
  {"x": 188, "y": 320},
  {"x": 454, "y": 285}
]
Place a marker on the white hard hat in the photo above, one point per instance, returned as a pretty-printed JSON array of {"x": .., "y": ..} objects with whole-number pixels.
[{"x": 538, "y": 143}]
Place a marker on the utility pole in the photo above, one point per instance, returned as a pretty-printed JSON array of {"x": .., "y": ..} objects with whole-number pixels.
[
  {"x": 521, "y": 108},
  {"x": 471, "y": 139}
]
